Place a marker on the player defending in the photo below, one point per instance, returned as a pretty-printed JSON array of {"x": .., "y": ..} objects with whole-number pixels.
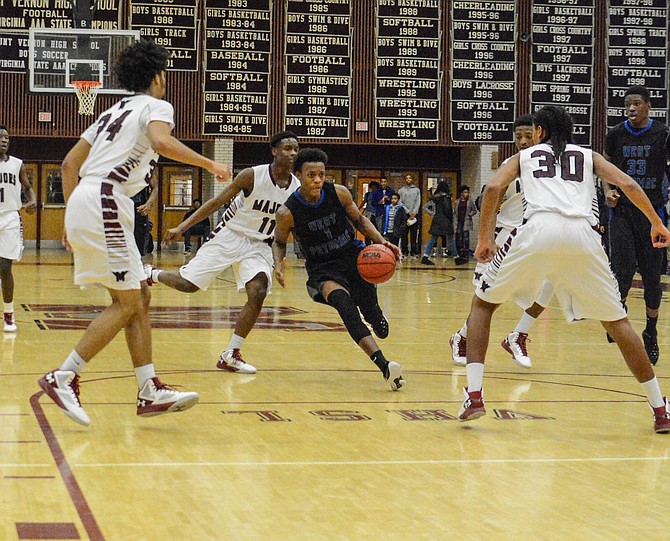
[
  {"x": 242, "y": 241},
  {"x": 114, "y": 159},
  {"x": 13, "y": 180},
  {"x": 321, "y": 214},
  {"x": 510, "y": 216},
  {"x": 558, "y": 243}
]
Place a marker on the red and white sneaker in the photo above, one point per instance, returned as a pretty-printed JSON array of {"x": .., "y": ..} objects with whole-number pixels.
[
  {"x": 473, "y": 405},
  {"x": 10, "y": 324},
  {"x": 232, "y": 360},
  {"x": 458, "y": 344},
  {"x": 515, "y": 345},
  {"x": 62, "y": 386},
  {"x": 662, "y": 418},
  {"x": 148, "y": 269},
  {"x": 156, "y": 398}
]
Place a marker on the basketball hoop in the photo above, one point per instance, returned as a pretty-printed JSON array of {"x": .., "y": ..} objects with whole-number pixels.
[{"x": 86, "y": 92}]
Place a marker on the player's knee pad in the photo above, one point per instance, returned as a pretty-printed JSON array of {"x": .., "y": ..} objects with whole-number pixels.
[
  {"x": 652, "y": 296},
  {"x": 346, "y": 307}
]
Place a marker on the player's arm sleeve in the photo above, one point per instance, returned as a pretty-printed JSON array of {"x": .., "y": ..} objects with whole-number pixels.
[{"x": 159, "y": 110}]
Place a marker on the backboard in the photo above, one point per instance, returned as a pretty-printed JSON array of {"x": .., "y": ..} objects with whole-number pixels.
[{"x": 59, "y": 56}]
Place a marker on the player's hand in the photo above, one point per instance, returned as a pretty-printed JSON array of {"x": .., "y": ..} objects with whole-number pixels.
[
  {"x": 221, "y": 171},
  {"x": 660, "y": 237},
  {"x": 612, "y": 198},
  {"x": 279, "y": 273},
  {"x": 65, "y": 243},
  {"x": 30, "y": 207},
  {"x": 485, "y": 250},
  {"x": 396, "y": 251},
  {"x": 143, "y": 210},
  {"x": 171, "y": 235}
]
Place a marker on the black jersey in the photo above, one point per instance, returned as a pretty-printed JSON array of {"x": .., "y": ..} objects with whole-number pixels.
[
  {"x": 322, "y": 229},
  {"x": 642, "y": 155}
]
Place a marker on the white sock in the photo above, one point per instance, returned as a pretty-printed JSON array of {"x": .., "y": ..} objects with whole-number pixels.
[
  {"x": 464, "y": 330},
  {"x": 9, "y": 307},
  {"x": 236, "y": 342},
  {"x": 144, "y": 374},
  {"x": 475, "y": 372},
  {"x": 654, "y": 394},
  {"x": 154, "y": 274},
  {"x": 525, "y": 323},
  {"x": 74, "y": 363}
]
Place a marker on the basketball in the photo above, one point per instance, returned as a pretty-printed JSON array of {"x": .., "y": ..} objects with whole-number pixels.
[{"x": 376, "y": 263}]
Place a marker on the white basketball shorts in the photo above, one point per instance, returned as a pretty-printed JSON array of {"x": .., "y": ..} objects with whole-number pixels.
[
  {"x": 567, "y": 253},
  {"x": 100, "y": 228},
  {"x": 547, "y": 291},
  {"x": 224, "y": 249},
  {"x": 11, "y": 235}
]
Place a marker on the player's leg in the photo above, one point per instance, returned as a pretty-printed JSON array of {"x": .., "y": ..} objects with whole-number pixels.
[
  {"x": 516, "y": 342},
  {"x": 231, "y": 359},
  {"x": 338, "y": 297},
  {"x": 365, "y": 296},
  {"x": 7, "y": 282},
  {"x": 636, "y": 358}
]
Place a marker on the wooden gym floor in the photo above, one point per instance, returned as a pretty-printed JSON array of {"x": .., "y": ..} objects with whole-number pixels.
[{"x": 314, "y": 446}]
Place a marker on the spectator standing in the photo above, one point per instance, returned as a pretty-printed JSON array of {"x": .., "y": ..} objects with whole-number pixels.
[
  {"x": 396, "y": 221},
  {"x": 463, "y": 213},
  {"x": 410, "y": 197},
  {"x": 443, "y": 220},
  {"x": 200, "y": 229}
]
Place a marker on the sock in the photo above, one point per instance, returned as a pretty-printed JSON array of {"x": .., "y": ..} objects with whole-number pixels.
[
  {"x": 654, "y": 394},
  {"x": 144, "y": 374},
  {"x": 154, "y": 274},
  {"x": 9, "y": 307},
  {"x": 464, "y": 330},
  {"x": 475, "y": 372},
  {"x": 236, "y": 342},
  {"x": 381, "y": 362},
  {"x": 525, "y": 323},
  {"x": 74, "y": 363},
  {"x": 651, "y": 325}
]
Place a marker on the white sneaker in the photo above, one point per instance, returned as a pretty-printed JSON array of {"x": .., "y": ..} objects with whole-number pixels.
[
  {"x": 156, "y": 398},
  {"x": 62, "y": 386},
  {"x": 515, "y": 345},
  {"x": 395, "y": 379},
  {"x": 232, "y": 360},
  {"x": 10, "y": 324},
  {"x": 148, "y": 268},
  {"x": 458, "y": 344}
]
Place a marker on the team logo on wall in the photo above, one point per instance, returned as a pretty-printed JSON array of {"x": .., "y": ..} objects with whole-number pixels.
[{"x": 56, "y": 317}]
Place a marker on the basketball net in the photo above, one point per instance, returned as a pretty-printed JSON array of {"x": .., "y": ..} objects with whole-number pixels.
[{"x": 86, "y": 92}]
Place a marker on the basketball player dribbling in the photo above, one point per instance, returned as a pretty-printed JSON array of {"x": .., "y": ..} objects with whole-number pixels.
[
  {"x": 13, "y": 180},
  {"x": 321, "y": 215},
  {"x": 559, "y": 243},
  {"x": 242, "y": 241},
  {"x": 115, "y": 158}
]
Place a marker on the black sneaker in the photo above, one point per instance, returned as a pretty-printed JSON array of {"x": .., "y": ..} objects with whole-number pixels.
[
  {"x": 651, "y": 346},
  {"x": 381, "y": 328},
  {"x": 461, "y": 261},
  {"x": 426, "y": 261}
]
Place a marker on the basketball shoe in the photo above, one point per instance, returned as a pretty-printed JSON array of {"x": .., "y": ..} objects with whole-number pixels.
[
  {"x": 473, "y": 405},
  {"x": 650, "y": 345},
  {"x": 458, "y": 344},
  {"x": 148, "y": 269},
  {"x": 10, "y": 324},
  {"x": 515, "y": 344},
  {"x": 662, "y": 418},
  {"x": 62, "y": 386},
  {"x": 381, "y": 327},
  {"x": 232, "y": 360},
  {"x": 156, "y": 398},
  {"x": 395, "y": 378}
]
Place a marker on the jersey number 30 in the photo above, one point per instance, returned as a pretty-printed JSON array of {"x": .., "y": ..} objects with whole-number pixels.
[{"x": 572, "y": 165}]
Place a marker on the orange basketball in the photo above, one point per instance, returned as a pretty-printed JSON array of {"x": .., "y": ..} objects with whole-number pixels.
[{"x": 376, "y": 263}]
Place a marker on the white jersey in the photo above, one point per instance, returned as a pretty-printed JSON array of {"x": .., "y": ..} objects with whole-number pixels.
[
  {"x": 120, "y": 147},
  {"x": 567, "y": 188},
  {"x": 510, "y": 214},
  {"x": 254, "y": 215},
  {"x": 10, "y": 184}
]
